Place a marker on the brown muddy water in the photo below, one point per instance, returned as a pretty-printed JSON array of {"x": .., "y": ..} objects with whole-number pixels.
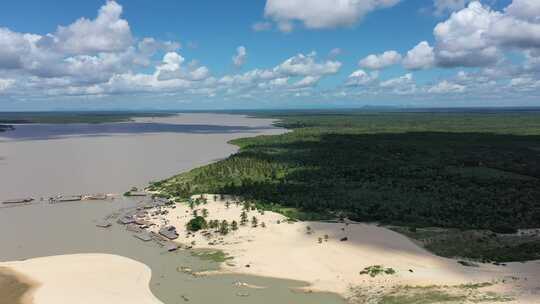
[{"x": 42, "y": 160}]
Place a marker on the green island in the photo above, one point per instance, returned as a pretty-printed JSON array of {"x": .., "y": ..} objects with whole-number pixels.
[{"x": 460, "y": 183}]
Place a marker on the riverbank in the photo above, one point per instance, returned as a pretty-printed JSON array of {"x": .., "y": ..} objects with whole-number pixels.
[
  {"x": 82, "y": 278},
  {"x": 331, "y": 256}
]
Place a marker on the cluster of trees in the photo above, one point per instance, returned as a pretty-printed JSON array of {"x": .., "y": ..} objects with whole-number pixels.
[{"x": 417, "y": 169}]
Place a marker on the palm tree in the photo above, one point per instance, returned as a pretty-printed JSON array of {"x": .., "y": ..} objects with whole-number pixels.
[
  {"x": 224, "y": 227},
  {"x": 254, "y": 222},
  {"x": 243, "y": 218}
]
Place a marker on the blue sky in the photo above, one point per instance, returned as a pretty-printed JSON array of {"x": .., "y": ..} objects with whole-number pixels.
[{"x": 268, "y": 54}]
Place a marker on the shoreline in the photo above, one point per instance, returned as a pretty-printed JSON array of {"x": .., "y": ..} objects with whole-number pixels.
[
  {"x": 111, "y": 279},
  {"x": 329, "y": 257}
]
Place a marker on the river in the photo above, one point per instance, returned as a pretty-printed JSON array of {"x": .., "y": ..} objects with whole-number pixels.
[{"x": 44, "y": 160}]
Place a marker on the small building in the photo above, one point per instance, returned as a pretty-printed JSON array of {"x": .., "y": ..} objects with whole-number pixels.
[{"x": 169, "y": 232}]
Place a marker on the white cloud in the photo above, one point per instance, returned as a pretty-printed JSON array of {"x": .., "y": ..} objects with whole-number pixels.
[
  {"x": 305, "y": 65},
  {"x": 403, "y": 85},
  {"x": 317, "y": 14},
  {"x": 399, "y": 81},
  {"x": 448, "y": 6},
  {"x": 107, "y": 33},
  {"x": 420, "y": 57},
  {"x": 445, "y": 87},
  {"x": 240, "y": 58},
  {"x": 476, "y": 35},
  {"x": 525, "y": 83},
  {"x": 6, "y": 84},
  {"x": 361, "y": 77},
  {"x": 525, "y": 9},
  {"x": 307, "y": 81},
  {"x": 380, "y": 61},
  {"x": 462, "y": 40}
]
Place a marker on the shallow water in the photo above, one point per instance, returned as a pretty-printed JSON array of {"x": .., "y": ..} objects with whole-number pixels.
[
  {"x": 44, "y": 160},
  {"x": 43, "y": 229}
]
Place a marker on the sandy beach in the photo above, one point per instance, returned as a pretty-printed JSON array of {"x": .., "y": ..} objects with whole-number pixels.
[
  {"x": 318, "y": 253},
  {"x": 85, "y": 278}
]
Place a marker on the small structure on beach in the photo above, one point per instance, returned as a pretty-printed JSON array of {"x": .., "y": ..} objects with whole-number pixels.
[
  {"x": 18, "y": 201},
  {"x": 169, "y": 232}
]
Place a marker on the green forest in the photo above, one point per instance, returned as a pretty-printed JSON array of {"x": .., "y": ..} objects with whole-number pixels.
[{"x": 450, "y": 170}]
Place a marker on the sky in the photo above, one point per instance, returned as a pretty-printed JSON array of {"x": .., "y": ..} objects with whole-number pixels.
[{"x": 250, "y": 54}]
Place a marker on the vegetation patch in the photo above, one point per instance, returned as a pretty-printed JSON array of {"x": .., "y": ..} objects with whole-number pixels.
[
  {"x": 480, "y": 245},
  {"x": 376, "y": 270},
  {"x": 197, "y": 223},
  {"x": 473, "y": 171},
  {"x": 217, "y": 256},
  {"x": 469, "y": 293}
]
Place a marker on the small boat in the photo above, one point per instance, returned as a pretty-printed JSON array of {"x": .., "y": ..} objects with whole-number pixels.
[{"x": 18, "y": 201}]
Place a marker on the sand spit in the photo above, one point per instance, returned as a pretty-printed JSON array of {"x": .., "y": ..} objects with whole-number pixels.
[
  {"x": 85, "y": 279},
  {"x": 330, "y": 256}
]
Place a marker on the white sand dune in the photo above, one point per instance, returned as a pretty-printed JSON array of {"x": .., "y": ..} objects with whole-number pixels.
[
  {"x": 287, "y": 250},
  {"x": 87, "y": 279}
]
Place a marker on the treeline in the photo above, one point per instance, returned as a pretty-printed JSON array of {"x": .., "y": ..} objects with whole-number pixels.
[{"x": 447, "y": 170}]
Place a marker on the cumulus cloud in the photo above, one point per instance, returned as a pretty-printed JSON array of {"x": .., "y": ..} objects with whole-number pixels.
[
  {"x": 399, "y": 81},
  {"x": 361, "y": 78},
  {"x": 317, "y": 14},
  {"x": 445, "y": 87},
  {"x": 240, "y": 58},
  {"x": 476, "y": 35},
  {"x": 524, "y": 9},
  {"x": 307, "y": 81},
  {"x": 107, "y": 33},
  {"x": 420, "y": 57},
  {"x": 306, "y": 65},
  {"x": 380, "y": 61}
]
